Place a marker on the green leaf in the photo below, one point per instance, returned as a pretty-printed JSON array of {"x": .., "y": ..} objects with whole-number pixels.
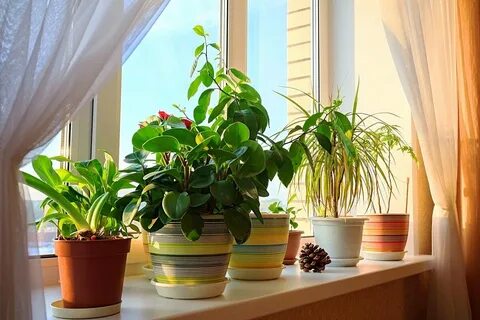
[
  {"x": 184, "y": 136},
  {"x": 296, "y": 154},
  {"x": 130, "y": 211},
  {"x": 144, "y": 134},
  {"x": 219, "y": 108},
  {"x": 215, "y": 45},
  {"x": 175, "y": 204},
  {"x": 253, "y": 160},
  {"x": 203, "y": 177},
  {"x": 343, "y": 123},
  {"x": 235, "y": 134},
  {"x": 249, "y": 118},
  {"x": 246, "y": 186},
  {"x": 199, "y": 199},
  {"x": 347, "y": 143},
  {"x": 199, "y": 49},
  {"x": 312, "y": 121},
  {"x": 157, "y": 225},
  {"x": 162, "y": 144},
  {"x": 193, "y": 88},
  {"x": 44, "y": 169},
  {"x": 192, "y": 225},
  {"x": 199, "y": 114},
  {"x": 224, "y": 192},
  {"x": 204, "y": 99},
  {"x": 324, "y": 136},
  {"x": 249, "y": 93},
  {"x": 199, "y": 30},
  {"x": 207, "y": 74},
  {"x": 285, "y": 171},
  {"x": 238, "y": 224},
  {"x": 137, "y": 157},
  {"x": 239, "y": 75}
]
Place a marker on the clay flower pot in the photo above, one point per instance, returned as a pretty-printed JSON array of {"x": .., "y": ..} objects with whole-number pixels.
[
  {"x": 91, "y": 271},
  {"x": 294, "y": 238},
  {"x": 261, "y": 256},
  {"x": 185, "y": 269},
  {"x": 385, "y": 236}
]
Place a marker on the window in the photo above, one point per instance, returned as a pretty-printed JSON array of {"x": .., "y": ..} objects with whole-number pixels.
[
  {"x": 156, "y": 75},
  {"x": 279, "y": 56},
  {"x": 48, "y": 232}
]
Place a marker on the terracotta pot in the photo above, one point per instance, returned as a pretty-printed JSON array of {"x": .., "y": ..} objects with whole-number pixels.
[
  {"x": 385, "y": 233},
  {"x": 91, "y": 271},
  {"x": 294, "y": 238}
]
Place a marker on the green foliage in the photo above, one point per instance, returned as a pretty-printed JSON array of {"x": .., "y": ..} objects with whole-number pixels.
[
  {"x": 345, "y": 157},
  {"x": 82, "y": 202},
  {"x": 221, "y": 163},
  {"x": 276, "y": 207}
]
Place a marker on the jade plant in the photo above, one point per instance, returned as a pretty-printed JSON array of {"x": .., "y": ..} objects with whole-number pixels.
[
  {"x": 80, "y": 204},
  {"x": 345, "y": 157},
  {"x": 219, "y": 162},
  {"x": 276, "y": 207}
]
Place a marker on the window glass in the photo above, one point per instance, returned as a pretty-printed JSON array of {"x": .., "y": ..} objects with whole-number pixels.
[
  {"x": 157, "y": 74},
  {"x": 279, "y": 56},
  {"x": 47, "y": 233}
]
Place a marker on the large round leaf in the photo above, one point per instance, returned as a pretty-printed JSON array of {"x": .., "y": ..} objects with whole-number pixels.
[
  {"x": 144, "y": 134},
  {"x": 162, "y": 144},
  {"x": 224, "y": 191},
  {"x": 253, "y": 160},
  {"x": 235, "y": 134},
  {"x": 192, "y": 225},
  {"x": 203, "y": 176},
  {"x": 238, "y": 224},
  {"x": 175, "y": 204},
  {"x": 184, "y": 136}
]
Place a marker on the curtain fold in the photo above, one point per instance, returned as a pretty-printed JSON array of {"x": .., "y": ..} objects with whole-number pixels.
[
  {"x": 469, "y": 144},
  {"x": 54, "y": 56},
  {"x": 422, "y": 38}
]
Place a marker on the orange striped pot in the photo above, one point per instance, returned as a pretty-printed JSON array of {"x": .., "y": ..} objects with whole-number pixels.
[{"x": 385, "y": 233}]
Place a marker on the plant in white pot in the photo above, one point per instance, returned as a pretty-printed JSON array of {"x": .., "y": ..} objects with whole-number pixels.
[
  {"x": 336, "y": 171},
  {"x": 385, "y": 234}
]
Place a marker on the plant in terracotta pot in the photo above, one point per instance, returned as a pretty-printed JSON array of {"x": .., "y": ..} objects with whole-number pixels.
[
  {"x": 294, "y": 236},
  {"x": 197, "y": 184},
  {"x": 93, "y": 242},
  {"x": 336, "y": 170},
  {"x": 385, "y": 234}
]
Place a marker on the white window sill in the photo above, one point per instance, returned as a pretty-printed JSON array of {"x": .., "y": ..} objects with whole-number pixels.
[{"x": 250, "y": 299}]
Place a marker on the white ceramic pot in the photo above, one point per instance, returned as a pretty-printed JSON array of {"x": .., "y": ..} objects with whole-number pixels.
[{"x": 341, "y": 238}]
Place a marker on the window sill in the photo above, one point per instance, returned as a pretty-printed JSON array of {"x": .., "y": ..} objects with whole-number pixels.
[{"x": 254, "y": 298}]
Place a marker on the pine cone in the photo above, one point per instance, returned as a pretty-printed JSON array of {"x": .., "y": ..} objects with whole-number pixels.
[{"x": 314, "y": 258}]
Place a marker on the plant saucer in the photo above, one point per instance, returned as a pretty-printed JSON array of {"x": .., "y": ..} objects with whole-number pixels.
[
  {"x": 351, "y": 262},
  {"x": 148, "y": 271},
  {"x": 189, "y": 291},
  {"x": 255, "y": 273},
  {"x": 59, "y": 311},
  {"x": 384, "y": 256}
]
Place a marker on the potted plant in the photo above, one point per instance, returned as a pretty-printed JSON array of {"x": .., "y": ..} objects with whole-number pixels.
[
  {"x": 337, "y": 171},
  {"x": 197, "y": 184},
  {"x": 294, "y": 236},
  {"x": 385, "y": 234},
  {"x": 93, "y": 242}
]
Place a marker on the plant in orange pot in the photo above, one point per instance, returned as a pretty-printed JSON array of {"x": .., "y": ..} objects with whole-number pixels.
[
  {"x": 93, "y": 242},
  {"x": 294, "y": 236}
]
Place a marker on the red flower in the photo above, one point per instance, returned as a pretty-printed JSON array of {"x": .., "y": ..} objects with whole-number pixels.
[
  {"x": 187, "y": 122},
  {"x": 163, "y": 115}
]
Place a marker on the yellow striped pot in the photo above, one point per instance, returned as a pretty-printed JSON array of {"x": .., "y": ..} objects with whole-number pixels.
[
  {"x": 385, "y": 236},
  {"x": 183, "y": 266},
  {"x": 261, "y": 257}
]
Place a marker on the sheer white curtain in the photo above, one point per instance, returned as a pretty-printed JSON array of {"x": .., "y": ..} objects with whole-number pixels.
[
  {"x": 422, "y": 39},
  {"x": 54, "y": 56}
]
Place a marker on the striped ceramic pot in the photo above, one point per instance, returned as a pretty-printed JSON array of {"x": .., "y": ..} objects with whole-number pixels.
[
  {"x": 186, "y": 269},
  {"x": 147, "y": 269},
  {"x": 385, "y": 236},
  {"x": 261, "y": 257}
]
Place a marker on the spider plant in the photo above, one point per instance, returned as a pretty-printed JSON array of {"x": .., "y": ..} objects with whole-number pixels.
[{"x": 344, "y": 157}]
